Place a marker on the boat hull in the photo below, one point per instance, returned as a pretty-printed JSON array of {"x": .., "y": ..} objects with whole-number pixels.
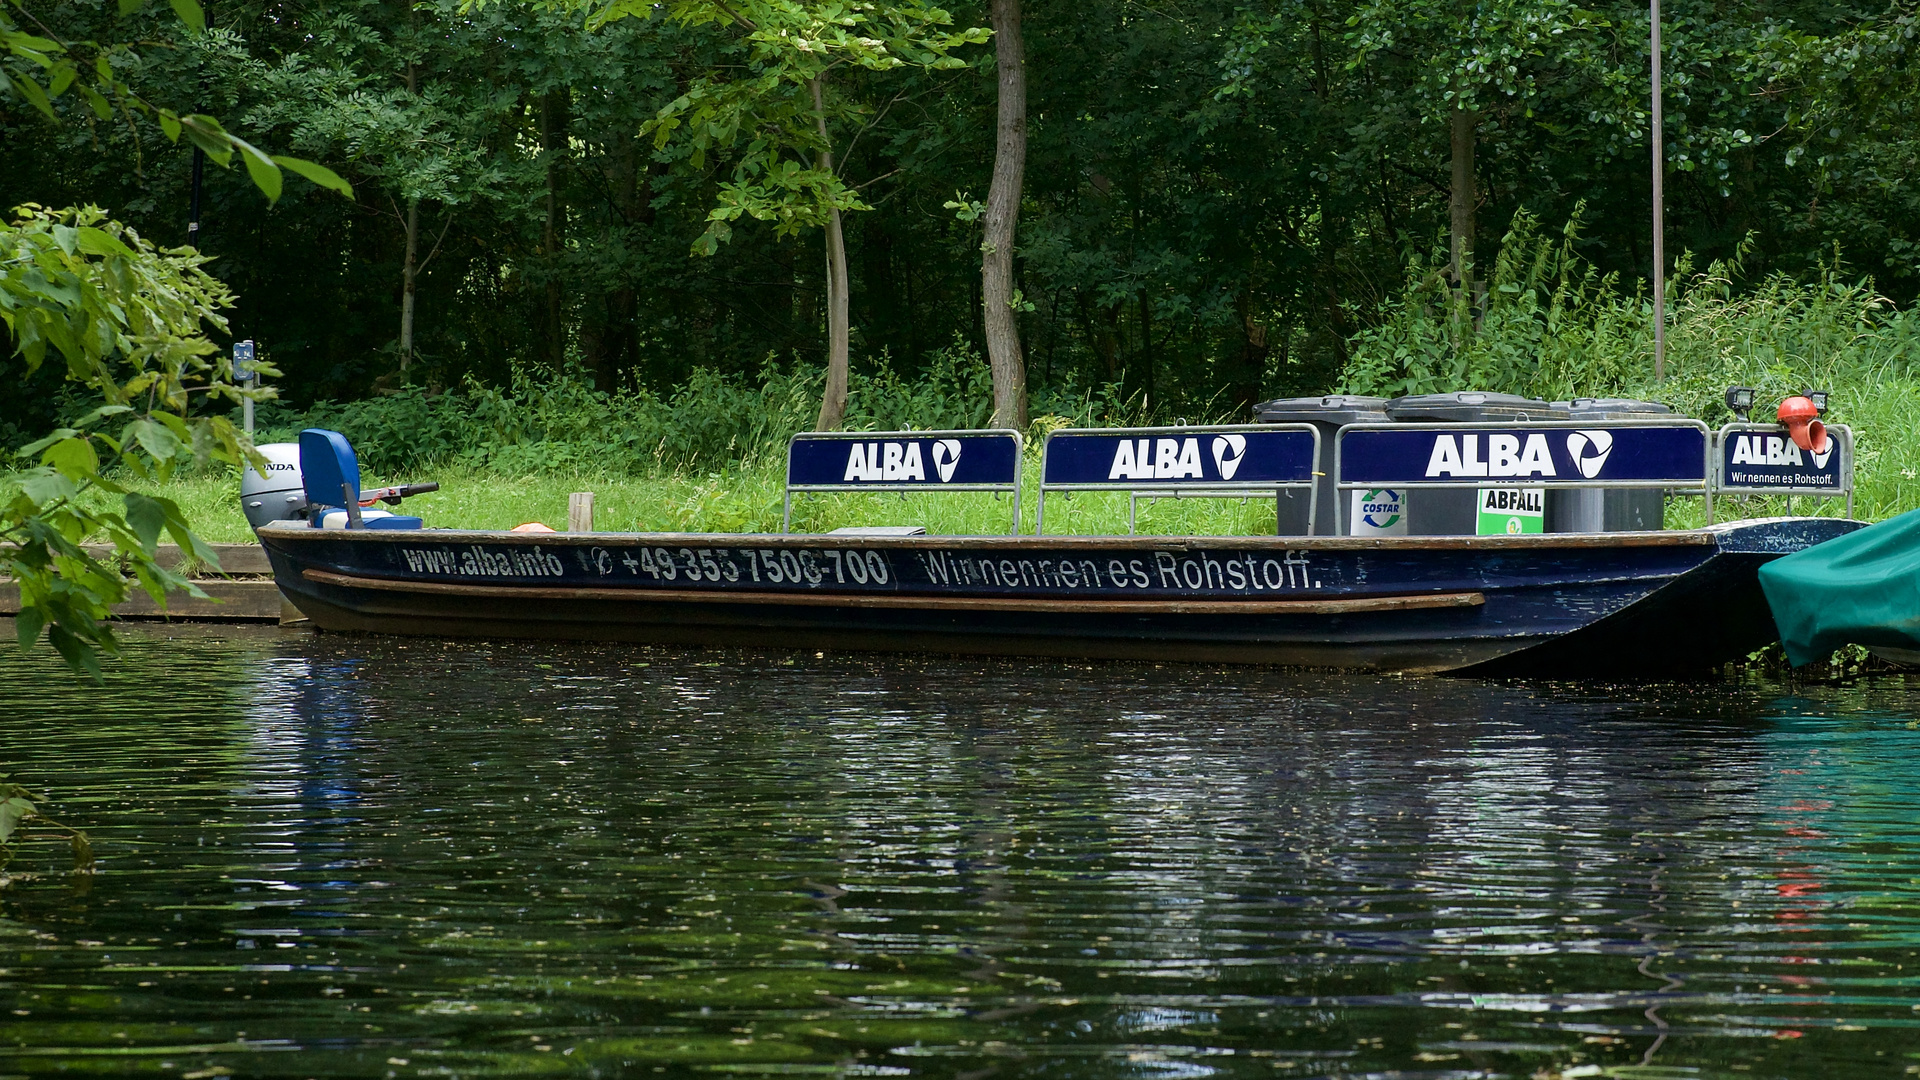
[{"x": 1625, "y": 604}]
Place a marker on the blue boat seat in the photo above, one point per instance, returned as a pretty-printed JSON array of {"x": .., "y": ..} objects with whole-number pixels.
[
  {"x": 336, "y": 518},
  {"x": 329, "y": 470}
]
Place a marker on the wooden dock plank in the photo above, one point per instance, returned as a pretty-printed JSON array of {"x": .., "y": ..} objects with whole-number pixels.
[{"x": 229, "y": 601}]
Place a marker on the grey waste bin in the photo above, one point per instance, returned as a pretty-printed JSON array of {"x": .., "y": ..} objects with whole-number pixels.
[
  {"x": 1608, "y": 509},
  {"x": 1455, "y": 511},
  {"x": 1329, "y": 414}
]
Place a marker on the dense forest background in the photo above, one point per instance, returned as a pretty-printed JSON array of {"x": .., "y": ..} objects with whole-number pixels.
[{"x": 1220, "y": 198}]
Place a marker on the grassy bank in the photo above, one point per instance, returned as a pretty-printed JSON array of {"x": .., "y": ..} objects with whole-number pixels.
[{"x": 741, "y": 500}]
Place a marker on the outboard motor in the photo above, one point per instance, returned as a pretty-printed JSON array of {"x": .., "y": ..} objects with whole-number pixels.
[{"x": 279, "y": 495}]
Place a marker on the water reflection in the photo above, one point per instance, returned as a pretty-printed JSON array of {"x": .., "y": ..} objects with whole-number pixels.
[{"x": 343, "y": 856}]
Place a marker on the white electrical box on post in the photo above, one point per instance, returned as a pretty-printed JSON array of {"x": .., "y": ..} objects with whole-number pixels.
[{"x": 243, "y": 374}]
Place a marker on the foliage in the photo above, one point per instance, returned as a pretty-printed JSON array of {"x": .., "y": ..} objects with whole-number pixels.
[
  {"x": 557, "y": 422},
  {"x": 40, "y": 68},
  {"x": 769, "y": 109},
  {"x": 1555, "y": 327},
  {"x": 18, "y": 806},
  {"x": 126, "y": 319}
]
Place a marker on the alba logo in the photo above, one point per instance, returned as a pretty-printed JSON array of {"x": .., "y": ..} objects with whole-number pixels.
[
  {"x": 1506, "y": 456},
  {"x": 887, "y": 461},
  {"x": 1159, "y": 459},
  {"x": 1589, "y": 450},
  {"x": 1228, "y": 452},
  {"x": 946, "y": 458},
  {"x": 1776, "y": 450}
]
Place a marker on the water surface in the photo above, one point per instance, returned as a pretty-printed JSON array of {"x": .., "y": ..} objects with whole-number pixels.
[{"x": 338, "y": 856}]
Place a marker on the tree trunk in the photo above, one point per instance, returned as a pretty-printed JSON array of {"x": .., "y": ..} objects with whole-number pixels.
[
  {"x": 1247, "y": 375},
  {"x": 554, "y": 120},
  {"x": 1003, "y": 213},
  {"x": 409, "y": 270},
  {"x": 409, "y": 273},
  {"x": 1465, "y": 197},
  {"x": 833, "y": 403},
  {"x": 609, "y": 335},
  {"x": 1145, "y": 371}
]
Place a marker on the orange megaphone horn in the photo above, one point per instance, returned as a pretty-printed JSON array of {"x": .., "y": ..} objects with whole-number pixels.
[{"x": 1803, "y": 423}]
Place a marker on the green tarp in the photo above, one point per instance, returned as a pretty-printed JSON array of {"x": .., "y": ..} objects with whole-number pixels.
[{"x": 1859, "y": 589}]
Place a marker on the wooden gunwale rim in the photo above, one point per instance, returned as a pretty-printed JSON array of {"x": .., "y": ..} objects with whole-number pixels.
[
  {"x": 1664, "y": 538},
  {"x": 1332, "y": 606}
]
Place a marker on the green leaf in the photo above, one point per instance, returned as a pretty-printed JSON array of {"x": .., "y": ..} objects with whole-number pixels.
[
  {"x": 28, "y": 624},
  {"x": 78, "y": 654},
  {"x": 206, "y": 133},
  {"x": 319, "y": 174},
  {"x": 100, "y": 242},
  {"x": 13, "y": 810},
  {"x": 188, "y": 540},
  {"x": 128, "y": 7},
  {"x": 146, "y": 517},
  {"x": 156, "y": 439},
  {"x": 35, "y": 96},
  {"x": 97, "y": 102},
  {"x": 44, "y": 486},
  {"x": 72, "y": 458},
  {"x": 191, "y": 14},
  {"x": 266, "y": 175},
  {"x": 35, "y": 447}
]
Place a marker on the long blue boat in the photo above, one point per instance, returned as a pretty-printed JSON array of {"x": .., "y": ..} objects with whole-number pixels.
[
  {"x": 1672, "y": 603},
  {"x": 1585, "y": 604}
]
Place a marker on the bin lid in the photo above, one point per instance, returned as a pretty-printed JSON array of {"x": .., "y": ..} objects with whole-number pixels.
[
  {"x": 1612, "y": 408},
  {"x": 1472, "y": 406},
  {"x": 1330, "y": 409}
]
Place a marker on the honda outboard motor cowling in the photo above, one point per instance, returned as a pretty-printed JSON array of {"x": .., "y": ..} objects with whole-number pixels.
[{"x": 278, "y": 495}]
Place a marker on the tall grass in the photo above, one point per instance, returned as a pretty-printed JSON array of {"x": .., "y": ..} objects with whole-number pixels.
[
  {"x": 548, "y": 422},
  {"x": 1553, "y": 327},
  {"x": 707, "y": 457}
]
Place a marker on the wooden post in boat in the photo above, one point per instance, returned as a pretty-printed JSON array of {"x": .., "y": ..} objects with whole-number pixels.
[{"x": 580, "y": 512}]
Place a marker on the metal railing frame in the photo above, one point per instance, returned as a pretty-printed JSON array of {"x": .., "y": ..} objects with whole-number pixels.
[
  {"x": 1341, "y": 485},
  {"x": 1842, "y": 432},
  {"x": 1144, "y": 489},
  {"x": 786, "y": 514}
]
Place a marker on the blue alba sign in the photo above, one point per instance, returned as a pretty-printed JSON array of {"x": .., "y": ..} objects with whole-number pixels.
[
  {"x": 1180, "y": 457},
  {"x": 1762, "y": 458},
  {"x": 903, "y": 459},
  {"x": 1525, "y": 454}
]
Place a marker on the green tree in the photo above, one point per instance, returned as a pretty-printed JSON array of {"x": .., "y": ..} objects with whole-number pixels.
[
  {"x": 128, "y": 321},
  {"x": 359, "y": 95},
  {"x": 39, "y": 68},
  {"x": 773, "y": 109},
  {"x": 1460, "y": 57}
]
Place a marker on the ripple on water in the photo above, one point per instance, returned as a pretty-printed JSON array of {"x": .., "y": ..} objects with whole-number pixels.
[{"x": 356, "y": 856}]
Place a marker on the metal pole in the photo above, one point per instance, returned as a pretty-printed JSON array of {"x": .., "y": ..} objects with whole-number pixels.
[
  {"x": 193, "y": 201},
  {"x": 243, "y": 373},
  {"x": 1659, "y": 213}
]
